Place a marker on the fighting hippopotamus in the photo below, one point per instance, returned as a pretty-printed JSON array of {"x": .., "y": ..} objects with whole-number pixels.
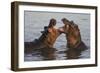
[
  {"x": 46, "y": 40},
  {"x": 75, "y": 44},
  {"x": 73, "y": 35}
]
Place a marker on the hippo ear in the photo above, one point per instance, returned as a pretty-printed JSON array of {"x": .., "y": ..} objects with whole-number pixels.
[{"x": 49, "y": 30}]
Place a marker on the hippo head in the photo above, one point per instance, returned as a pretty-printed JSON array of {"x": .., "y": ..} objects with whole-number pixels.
[
  {"x": 69, "y": 26},
  {"x": 72, "y": 32}
]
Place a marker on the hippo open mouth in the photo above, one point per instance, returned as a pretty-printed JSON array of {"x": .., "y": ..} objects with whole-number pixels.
[
  {"x": 73, "y": 35},
  {"x": 46, "y": 40}
]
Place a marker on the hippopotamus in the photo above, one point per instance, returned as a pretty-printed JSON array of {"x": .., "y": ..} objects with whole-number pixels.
[
  {"x": 73, "y": 35},
  {"x": 46, "y": 40}
]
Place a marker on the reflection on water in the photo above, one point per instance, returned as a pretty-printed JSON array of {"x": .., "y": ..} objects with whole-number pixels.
[
  {"x": 54, "y": 54},
  {"x": 48, "y": 54},
  {"x": 73, "y": 54}
]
